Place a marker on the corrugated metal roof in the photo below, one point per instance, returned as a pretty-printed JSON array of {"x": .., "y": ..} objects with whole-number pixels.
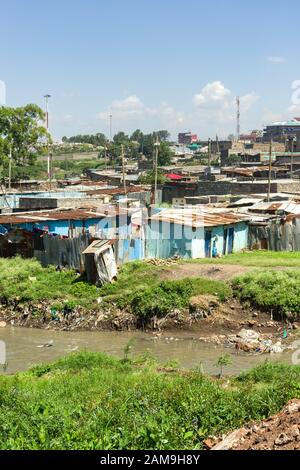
[
  {"x": 196, "y": 217},
  {"x": 97, "y": 246},
  {"x": 63, "y": 214},
  {"x": 290, "y": 207}
]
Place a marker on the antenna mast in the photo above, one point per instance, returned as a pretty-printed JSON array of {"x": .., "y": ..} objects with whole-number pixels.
[{"x": 238, "y": 115}]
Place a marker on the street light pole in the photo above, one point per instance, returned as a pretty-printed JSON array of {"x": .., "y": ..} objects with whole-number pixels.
[{"x": 47, "y": 96}]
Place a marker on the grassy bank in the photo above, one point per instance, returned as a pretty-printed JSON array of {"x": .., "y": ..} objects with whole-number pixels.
[
  {"x": 259, "y": 259},
  {"x": 277, "y": 291},
  {"x": 91, "y": 401},
  {"x": 24, "y": 280},
  {"x": 138, "y": 288}
]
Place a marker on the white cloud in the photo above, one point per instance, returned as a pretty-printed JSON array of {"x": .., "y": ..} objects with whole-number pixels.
[
  {"x": 133, "y": 107},
  {"x": 214, "y": 109},
  {"x": 276, "y": 59},
  {"x": 217, "y": 104},
  {"x": 214, "y": 92},
  {"x": 131, "y": 103},
  {"x": 248, "y": 100}
]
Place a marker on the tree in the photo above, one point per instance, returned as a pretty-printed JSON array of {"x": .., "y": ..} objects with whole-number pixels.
[
  {"x": 164, "y": 154},
  {"x": 223, "y": 361},
  {"x": 121, "y": 138},
  {"x": 137, "y": 136},
  {"x": 22, "y": 133},
  {"x": 149, "y": 177},
  {"x": 163, "y": 135},
  {"x": 98, "y": 139}
]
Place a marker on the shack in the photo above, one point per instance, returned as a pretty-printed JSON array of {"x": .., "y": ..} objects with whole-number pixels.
[{"x": 195, "y": 232}]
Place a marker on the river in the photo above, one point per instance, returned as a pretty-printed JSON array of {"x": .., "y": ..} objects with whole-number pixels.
[{"x": 24, "y": 348}]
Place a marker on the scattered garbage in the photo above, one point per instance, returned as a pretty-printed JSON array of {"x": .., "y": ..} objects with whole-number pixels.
[
  {"x": 46, "y": 345},
  {"x": 252, "y": 341},
  {"x": 202, "y": 306}
]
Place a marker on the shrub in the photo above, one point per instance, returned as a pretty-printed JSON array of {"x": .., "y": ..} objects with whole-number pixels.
[{"x": 278, "y": 291}]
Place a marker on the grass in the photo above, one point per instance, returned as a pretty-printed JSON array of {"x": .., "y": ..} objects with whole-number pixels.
[
  {"x": 24, "y": 280},
  {"x": 278, "y": 291},
  {"x": 140, "y": 288},
  {"x": 263, "y": 259},
  {"x": 92, "y": 401}
]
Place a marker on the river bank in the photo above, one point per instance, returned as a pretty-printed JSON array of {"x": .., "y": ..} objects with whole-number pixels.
[
  {"x": 79, "y": 402},
  {"x": 207, "y": 319}
]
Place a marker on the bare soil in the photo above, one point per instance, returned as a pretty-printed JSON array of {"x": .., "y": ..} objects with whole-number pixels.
[
  {"x": 220, "y": 272},
  {"x": 279, "y": 432}
]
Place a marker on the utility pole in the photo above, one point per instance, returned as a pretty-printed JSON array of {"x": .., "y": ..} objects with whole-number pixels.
[
  {"x": 110, "y": 128},
  {"x": 9, "y": 167},
  {"x": 49, "y": 162},
  {"x": 156, "y": 146},
  {"x": 270, "y": 170},
  {"x": 293, "y": 140},
  {"x": 209, "y": 152},
  {"x": 123, "y": 168}
]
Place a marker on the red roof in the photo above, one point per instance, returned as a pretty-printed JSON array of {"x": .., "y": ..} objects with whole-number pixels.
[{"x": 174, "y": 176}]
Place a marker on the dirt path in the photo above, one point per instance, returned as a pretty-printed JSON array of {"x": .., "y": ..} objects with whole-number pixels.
[{"x": 221, "y": 272}]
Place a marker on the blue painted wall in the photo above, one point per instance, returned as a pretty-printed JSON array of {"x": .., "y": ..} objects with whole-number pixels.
[{"x": 165, "y": 240}]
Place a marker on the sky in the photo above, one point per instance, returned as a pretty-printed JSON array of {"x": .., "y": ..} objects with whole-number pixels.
[{"x": 152, "y": 64}]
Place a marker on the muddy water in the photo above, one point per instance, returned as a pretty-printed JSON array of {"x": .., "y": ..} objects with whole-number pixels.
[{"x": 23, "y": 348}]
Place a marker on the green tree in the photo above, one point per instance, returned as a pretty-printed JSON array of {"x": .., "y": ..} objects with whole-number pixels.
[
  {"x": 121, "y": 138},
  {"x": 22, "y": 132},
  {"x": 149, "y": 177},
  {"x": 164, "y": 154},
  {"x": 137, "y": 136}
]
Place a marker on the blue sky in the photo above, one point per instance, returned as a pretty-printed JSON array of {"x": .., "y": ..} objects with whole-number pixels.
[{"x": 175, "y": 64}]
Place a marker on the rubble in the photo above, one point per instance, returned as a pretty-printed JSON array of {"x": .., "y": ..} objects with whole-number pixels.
[
  {"x": 201, "y": 306},
  {"x": 252, "y": 341},
  {"x": 279, "y": 432}
]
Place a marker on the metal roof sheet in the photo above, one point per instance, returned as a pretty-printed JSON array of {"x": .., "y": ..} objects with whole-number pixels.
[
  {"x": 196, "y": 217},
  {"x": 63, "y": 214}
]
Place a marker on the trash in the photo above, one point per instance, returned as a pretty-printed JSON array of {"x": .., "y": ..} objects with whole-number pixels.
[
  {"x": 276, "y": 348},
  {"x": 251, "y": 341},
  {"x": 54, "y": 315},
  {"x": 46, "y": 345}
]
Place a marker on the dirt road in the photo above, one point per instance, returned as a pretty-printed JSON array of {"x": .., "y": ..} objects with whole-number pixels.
[{"x": 221, "y": 272}]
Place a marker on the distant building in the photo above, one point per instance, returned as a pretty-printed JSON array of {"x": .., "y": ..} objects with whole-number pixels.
[
  {"x": 187, "y": 138},
  {"x": 280, "y": 131},
  {"x": 253, "y": 136}
]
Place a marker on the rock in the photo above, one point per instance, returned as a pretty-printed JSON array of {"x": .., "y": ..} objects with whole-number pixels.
[
  {"x": 248, "y": 335},
  {"x": 3, "y": 324},
  {"x": 255, "y": 314},
  {"x": 230, "y": 440},
  {"x": 282, "y": 439},
  {"x": 293, "y": 407},
  {"x": 252, "y": 323},
  {"x": 294, "y": 431},
  {"x": 295, "y": 326},
  {"x": 209, "y": 443}
]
